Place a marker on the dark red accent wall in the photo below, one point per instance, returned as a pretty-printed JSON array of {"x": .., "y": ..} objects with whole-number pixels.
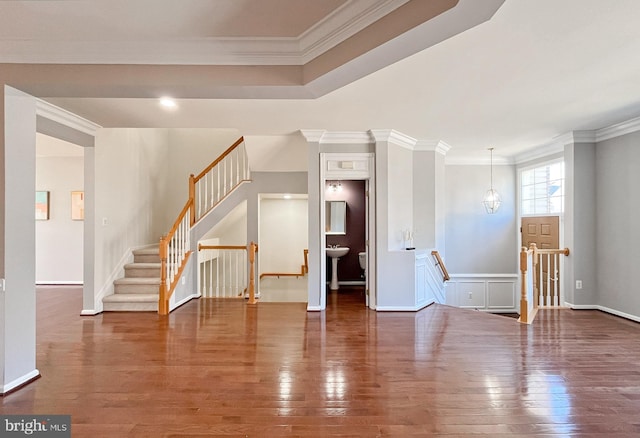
[{"x": 354, "y": 193}]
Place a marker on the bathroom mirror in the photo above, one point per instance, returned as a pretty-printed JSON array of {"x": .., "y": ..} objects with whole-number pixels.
[{"x": 335, "y": 217}]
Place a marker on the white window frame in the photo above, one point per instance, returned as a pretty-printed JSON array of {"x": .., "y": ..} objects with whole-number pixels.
[{"x": 519, "y": 188}]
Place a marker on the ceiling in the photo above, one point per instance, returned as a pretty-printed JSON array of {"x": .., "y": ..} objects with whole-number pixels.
[{"x": 513, "y": 75}]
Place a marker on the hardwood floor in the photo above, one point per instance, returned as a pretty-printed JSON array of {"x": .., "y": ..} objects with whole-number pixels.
[{"x": 222, "y": 368}]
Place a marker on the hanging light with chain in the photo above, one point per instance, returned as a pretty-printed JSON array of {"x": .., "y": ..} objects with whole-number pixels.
[{"x": 492, "y": 198}]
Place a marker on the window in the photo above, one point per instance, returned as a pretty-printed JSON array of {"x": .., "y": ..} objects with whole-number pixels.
[{"x": 542, "y": 189}]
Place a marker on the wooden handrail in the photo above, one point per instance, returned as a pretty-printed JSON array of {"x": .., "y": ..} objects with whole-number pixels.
[
  {"x": 201, "y": 247},
  {"x": 564, "y": 251},
  {"x": 164, "y": 291},
  {"x": 440, "y": 264},
  {"x": 304, "y": 269},
  {"x": 181, "y": 216},
  {"x": 219, "y": 159}
]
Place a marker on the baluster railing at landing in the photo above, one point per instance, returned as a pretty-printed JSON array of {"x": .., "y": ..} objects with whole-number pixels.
[
  {"x": 219, "y": 179},
  {"x": 227, "y": 271},
  {"x": 540, "y": 288}
]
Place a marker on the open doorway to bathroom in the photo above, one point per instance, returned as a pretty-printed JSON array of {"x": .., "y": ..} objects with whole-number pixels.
[{"x": 351, "y": 267}]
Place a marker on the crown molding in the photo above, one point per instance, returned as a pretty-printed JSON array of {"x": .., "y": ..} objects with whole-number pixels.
[
  {"x": 66, "y": 118},
  {"x": 438, "y": 146},
  {"x": 477, "y": 161},
  {"x": 337, "y": 137},
  {"x": 335, "y": 28},
  {"x": 618, "y": 129},
  {"x": 312, "y": 135},
  {"x": 394, "y": 137}
]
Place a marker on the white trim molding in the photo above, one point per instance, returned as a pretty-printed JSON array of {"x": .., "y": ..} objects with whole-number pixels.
[
  {"x": 22, "y": 380},
  {"x": 66, "y": 118},
  {"x": 495, "y": 293},
  {"x": 618, "y": 129},
  {"x": 603, "y": 309}
]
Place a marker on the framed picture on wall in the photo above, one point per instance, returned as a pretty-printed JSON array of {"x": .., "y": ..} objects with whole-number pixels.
[
  {"x": 77, "y": 206},
  {"x": 42, "y": 205}
]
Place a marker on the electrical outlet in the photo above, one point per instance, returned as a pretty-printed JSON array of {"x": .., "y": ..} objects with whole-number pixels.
[
  {"x": 470, "y": 295},
  {"x": 578, "y": 284},
  {"x": 184, "y": 280}
]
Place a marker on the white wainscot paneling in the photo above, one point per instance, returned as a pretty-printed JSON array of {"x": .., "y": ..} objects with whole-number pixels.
[
  {"x": 471, "y": 294},
  {"x": 501, "y": 295},
  {"x": 487, "y": 292}
]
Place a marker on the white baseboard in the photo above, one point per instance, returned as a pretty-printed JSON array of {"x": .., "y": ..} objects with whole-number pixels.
[
  {"x": 184, "y": 301},
  {"x": 59, "y": 283},
  {"x": 89, "y": 312},
  {"x": 20, "y": 381},
  {"x": 107, "y": 287},
  {"x": 314, "y": 308},
  {"x": 604, "y": 309},
  {"x": 399, "y": 308}
]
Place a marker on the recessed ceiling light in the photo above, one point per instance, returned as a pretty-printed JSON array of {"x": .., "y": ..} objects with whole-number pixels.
[
  {"x": 168, "y": 102},
  {"x": 287, "y": 196}
]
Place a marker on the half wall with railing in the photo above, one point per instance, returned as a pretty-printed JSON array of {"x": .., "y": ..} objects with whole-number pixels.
[{"x": 540, "y": 285}]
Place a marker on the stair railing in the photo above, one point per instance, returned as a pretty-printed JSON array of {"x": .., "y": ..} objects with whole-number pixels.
[
  {"x": 175, "y": 249},
  {"x": 206, "y": 190},
  {"x": 539, "y": 288},
  {"x": 223, "y": 270},
  {"x": 218, "y": 179},
  {"x": 304, "y": 269},
  {"x": 440, "y": 264}
]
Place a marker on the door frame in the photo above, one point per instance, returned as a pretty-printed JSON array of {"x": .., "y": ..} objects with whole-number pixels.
[{"x": 361, "y": 167}]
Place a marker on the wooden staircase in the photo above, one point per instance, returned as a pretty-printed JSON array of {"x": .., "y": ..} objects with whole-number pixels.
[{"x": 138, "y": 290}]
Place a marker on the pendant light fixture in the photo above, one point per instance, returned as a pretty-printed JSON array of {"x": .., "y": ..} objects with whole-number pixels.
[{"x": 491, "y": 199}]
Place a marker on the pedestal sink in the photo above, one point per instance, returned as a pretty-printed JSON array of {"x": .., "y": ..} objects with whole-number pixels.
[{"x": 335, "y": 254}]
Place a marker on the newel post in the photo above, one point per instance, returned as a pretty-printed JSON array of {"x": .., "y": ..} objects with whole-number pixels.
[
  {"x": 524, "y": 307},
  {"x": 163, "y": 303},
  {"x": 253, "y": 248},
  {"x": 192, "y": 198},
  {"x": 534, "y": 267}
]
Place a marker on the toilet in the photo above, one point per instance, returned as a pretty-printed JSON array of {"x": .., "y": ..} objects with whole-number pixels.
[{"x": 362, "y": 258}]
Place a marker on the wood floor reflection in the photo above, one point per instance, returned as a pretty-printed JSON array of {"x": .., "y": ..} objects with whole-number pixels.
[{"x": 224, "y": 369}]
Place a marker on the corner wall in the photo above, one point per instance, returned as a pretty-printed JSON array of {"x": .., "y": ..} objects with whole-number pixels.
[
  {"x": 477, "y": 242},
  {"x": 59, "y": 240},
  {"x": 617, "y": 236}
]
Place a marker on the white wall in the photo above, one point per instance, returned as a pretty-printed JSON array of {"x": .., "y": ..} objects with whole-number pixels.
[
  {"x": 477, "y": 242},
  {"x": 283, "y": 234},
  {"x": 618, "y": 236},
  {"x": 131, "y": 186},
  {"x": 18, "y": 300},
  {"x": 59, "y": 240},
  {"x": 400, "y": 195},
  {"x": 424, "y": 199},
  {"x": 232, "y": 228},
  {"x": 190, "y": 152}
]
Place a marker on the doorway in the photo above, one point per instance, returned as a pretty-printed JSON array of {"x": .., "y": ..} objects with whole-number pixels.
[
  {"x": 352, "y": 234},
  {"x": 544, "y": 231}
]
